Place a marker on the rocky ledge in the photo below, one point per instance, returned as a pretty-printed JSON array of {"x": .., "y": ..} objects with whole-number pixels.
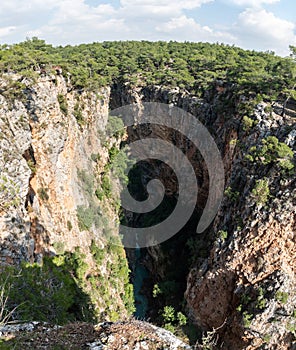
[{"x": 129, "y": 335}]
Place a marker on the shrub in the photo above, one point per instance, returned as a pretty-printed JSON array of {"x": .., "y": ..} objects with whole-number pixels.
[
  {"x": 9, "y": 193},
  {"x": 48, "y": 292},
  {"x": 32, "y": 166},
  {"x": 78, "y": 114},
  {"x": 97, "y": 253},
  {"x": 63, "y": 104},
  {"x": 272, "y": 150},
  {"x": 85, "y": 216},
  {"x": 156, "y": 291},
  {"x": 261, "y": 191},
  {"x": 232, "y": 195},
  {"x": 261, "y": 301},
  {"x": 282, "y": 297},
  {"x": 247, "y": 319},
  {"x": 115, "y": 127},
  {"x": 223, "y": 235},
  {"x": 248, "y": 123},
  {"x": 42, "y": 192},
  {"x": 168, "y": 314},
  {"x": 106, "y": 186}
]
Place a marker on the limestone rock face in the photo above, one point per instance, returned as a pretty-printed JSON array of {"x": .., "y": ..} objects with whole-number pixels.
[
  {"x": 43, "y": 147},
  {"x": 246, "y": 289}
]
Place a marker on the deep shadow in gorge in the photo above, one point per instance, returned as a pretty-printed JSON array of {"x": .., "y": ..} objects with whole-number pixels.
[{"x": 159, "y": 273}]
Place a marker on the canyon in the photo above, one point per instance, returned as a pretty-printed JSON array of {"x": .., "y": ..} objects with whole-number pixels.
[{"x": 236, "y": 279}]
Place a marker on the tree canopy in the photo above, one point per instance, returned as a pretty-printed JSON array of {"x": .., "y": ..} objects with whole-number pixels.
[{"x": 191, "y": 66}]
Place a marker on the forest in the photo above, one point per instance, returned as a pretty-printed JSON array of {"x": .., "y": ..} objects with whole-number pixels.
[{"x": 190, "y": 66}]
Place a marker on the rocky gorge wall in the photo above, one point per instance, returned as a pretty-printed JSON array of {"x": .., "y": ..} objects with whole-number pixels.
[
  {"x": 243, "y": 283},
  {"x": 52, "y": 162},
  {"x": 244, "y": 291}
]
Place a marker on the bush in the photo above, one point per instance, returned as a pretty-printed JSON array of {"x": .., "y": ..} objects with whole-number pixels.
[
  {"x": 9, "y": 193},
  {"x": 261, "y": 191},
  {"x": 106, "y": 186},
  {"x": 42, "y": 192},
  {"x": 232, "y": 195},
  {"x": 115, "y": 127},
  {"x": 248, "y": 123},
  {"x": 78, "y": 114},
  {"x": 282, "y": 297},
  {"x": 45, "y": 292},
  {"x": 63, "y": 103},
  {"x": 85, "y": 216},
  {"x": 272, "y": 150},
  {"x": 223, "y": 235}
]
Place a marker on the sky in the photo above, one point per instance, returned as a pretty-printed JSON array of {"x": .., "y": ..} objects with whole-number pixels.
[{"x": 262, "y": 25}]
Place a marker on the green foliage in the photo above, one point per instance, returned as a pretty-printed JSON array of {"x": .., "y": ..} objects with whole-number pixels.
[
  {"x": 32, "y": 166},
  {"x": 106, "y": 186},
  {"x": 232, "y": 195},
  {"x": 248, "y": 123},
  {"x": 247, "y": 319},
  {"x": 171, "y": 319},
  {"x": 63, "y": 103},
  {"x": 78, "y": 114},
  {"x": 223, "y": 235},
  {"x": 42, "y": 192},
  {"x": 9, "y": 193},
  {"x": 181, "y": 318},
  {"x": 291, "y": 327},
  {"x": 120, "y": 164},
  {"x": 261, "y": 191},
  {"x": 273, "y": 151},
  {"x": 97, "y": 253},
  {"x": 191, "y": 66},
  {"x": 115, "y": 127},
  {"x": 156, "y": 291},
  {"x": 282, "y": 297},
  {"x": 85, "y": 216},
  {"x": 168, "y": 314},
  {"x": 99, "y": 194},
  {"x": 261, "y": 301},
  {"x": 48, "y": 293}
]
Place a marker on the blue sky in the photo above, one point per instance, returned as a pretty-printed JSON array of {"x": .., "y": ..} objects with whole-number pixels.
[{"x": 251, "y": 24}]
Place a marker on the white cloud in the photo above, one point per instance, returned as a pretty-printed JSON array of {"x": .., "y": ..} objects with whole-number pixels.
[
  {"x": 17, "y": 6},
  {"x": 182, "y": 4},
  {"x": 4, "y": 31},
  {"x": 253, "y": 3},
  {"x": 183, "y": 27},
  {"x": 156, "y": 9},
  {"x": 263, "y": 28}
]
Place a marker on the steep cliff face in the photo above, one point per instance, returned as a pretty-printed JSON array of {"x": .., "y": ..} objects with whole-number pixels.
[
  {"x": 241, "y": 282},
  {"x": 52, "y": 161},
  {"x": 245, "y": 288},
  {"x": 43, "y": 150}
]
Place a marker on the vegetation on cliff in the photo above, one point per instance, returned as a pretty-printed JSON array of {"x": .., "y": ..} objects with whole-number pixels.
[{"x": 230, "y": 83}]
